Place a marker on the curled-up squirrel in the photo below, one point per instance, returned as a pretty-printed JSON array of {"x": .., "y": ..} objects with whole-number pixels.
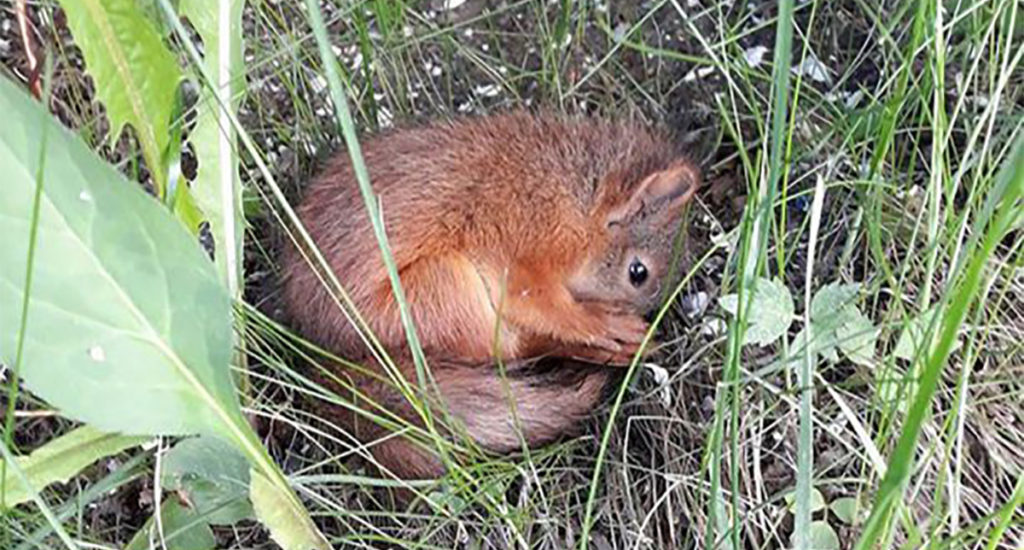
[{"x": 556, "y": 231}]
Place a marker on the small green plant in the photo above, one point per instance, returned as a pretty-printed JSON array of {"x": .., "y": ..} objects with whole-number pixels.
[
  {"x": 771, "y": 311},
  {"x": 820, "y": 535},
  {"x": 837, "y": 323}
]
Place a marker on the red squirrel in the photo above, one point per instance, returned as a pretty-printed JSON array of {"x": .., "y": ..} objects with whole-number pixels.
[{"x": 563, "y": 225}]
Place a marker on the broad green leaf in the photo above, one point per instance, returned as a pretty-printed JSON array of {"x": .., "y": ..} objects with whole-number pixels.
[
  {"x": 830, "y": 303},
  {"x": 61, "y": 459},
  {"x": 846, "y": 509},
  {"x": 213, "y": 476},
  {"x": 128, "y": 327},
  {"x": 447, "y": 498},
  {"x": 183, "y": 529},
  {"x": 817, "y": 500},
  {"x": 771, "y": 311},
  {"x": 893, "y": 388},
  {"x": 822, "y": 536},
  {"x": 838, "y": 326},
  {"x": 287, "y": 528},
  {"x": 135, "y": 75},
  {"x": 824, "y": 343},
  {"x": 856, "y": 337},
  {"x": 217, "y": 187}
]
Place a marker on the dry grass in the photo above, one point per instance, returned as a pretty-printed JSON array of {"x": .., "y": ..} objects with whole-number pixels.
[{"x": 702, "y": 69}]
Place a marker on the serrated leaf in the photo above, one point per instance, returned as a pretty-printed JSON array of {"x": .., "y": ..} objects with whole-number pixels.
[
  {"x": 217, "y": 186},
  {"x": 831, "y": 302},
  {"x": 846, "y": 509},
  {"x": 135, "y": 75},
  {"x": 838, "y": 326},
  {"x": 856, "y": 336},
  {"x": 771, "y": 311},
  {"x": 288, "y": 529},
  {"x": 213, "y": 476},
  {"x": 824, "y": 343},
  {"x": 821, "y": 536},
  {"x": 183, "y": 529},
  {"x": 184, "y": 207},
  {"x": 60, "y": 459}
]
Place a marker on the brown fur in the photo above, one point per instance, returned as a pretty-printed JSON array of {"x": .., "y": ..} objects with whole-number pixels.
[
  {"x": 549, "y": 396},
  {"x": 551, "y": 210}
]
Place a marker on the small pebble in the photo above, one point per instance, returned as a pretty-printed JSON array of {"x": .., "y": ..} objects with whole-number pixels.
[
  {"x": 755, "y": 55},
  {"x": 812, "y": 69},
  {"x": 712, "y": 328},
  {"x": 487, "y": 90},
  {"x": 452, "y": 4},
  {"x": 660, "y": 376},
  {"x": 695, "y": 304},
  {"x": 319, "y": 83},
  {"x": 698, "y": 73}
]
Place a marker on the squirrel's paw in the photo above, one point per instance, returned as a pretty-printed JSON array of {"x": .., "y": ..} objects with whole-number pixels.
[{"x": 616, "y": 340}]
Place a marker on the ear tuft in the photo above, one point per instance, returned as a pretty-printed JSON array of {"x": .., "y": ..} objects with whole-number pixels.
[{"x": 662, "y": 191}]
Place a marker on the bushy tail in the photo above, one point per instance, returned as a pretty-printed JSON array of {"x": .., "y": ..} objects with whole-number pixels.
[
  {"x": 550, "y": 398},
  {"x": 549, "y": 401}
]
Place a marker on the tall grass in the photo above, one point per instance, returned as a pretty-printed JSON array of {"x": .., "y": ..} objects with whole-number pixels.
[{"x": 883, "y": 133}]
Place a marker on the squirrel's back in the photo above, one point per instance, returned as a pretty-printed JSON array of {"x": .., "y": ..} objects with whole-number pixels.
[{"x": 501, "y": 186}]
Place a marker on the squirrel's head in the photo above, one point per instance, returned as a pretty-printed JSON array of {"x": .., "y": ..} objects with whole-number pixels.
[{"x": 639, "y": 220}]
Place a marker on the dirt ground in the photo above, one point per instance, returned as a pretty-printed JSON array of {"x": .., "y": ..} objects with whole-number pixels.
[{"x": 485, "y": 56}]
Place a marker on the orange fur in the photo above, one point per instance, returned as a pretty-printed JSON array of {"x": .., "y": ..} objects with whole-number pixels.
[{"x": 536, "y": 216}]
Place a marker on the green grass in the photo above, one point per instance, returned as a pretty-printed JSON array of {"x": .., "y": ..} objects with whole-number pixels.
[{"x": 912, "y": 136}]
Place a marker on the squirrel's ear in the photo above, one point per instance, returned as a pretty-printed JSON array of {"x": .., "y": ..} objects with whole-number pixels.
[{"x": 664, "y": 191}]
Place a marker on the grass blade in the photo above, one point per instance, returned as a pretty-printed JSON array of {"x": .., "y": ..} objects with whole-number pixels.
[
  {"x": 753, "y": 247},
  {"x": 805, "y": 383},
  {"x": 1005, "y": 199},
  {"x": 344, "y": 119}
]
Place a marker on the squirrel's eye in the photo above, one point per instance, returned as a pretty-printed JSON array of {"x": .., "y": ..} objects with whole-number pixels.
[{"x": 637, "y": 272}]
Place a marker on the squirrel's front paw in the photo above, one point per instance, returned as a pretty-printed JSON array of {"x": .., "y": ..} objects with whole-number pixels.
[
  {"x": 625, "y": 329},
  {"x": 617, "y": 339},
  {"x": 600, "y": 356}
]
